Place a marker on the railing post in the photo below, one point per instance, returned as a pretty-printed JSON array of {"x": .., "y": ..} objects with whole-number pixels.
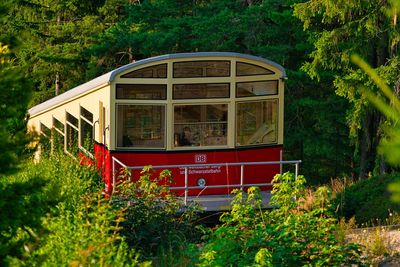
[
  {"x": 113, "y": 175},
  {"x": 241, "y": 176},
  {"x": 296, "y": 170},
  {"x": 186, "y": 185}
]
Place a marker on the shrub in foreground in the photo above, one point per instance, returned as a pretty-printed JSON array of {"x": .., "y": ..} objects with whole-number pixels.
[
  {"x": 155, "y": 223},
  {"x": 27, "y": 196},
  {"x": 367, "y": 200},
  {"x": 297, "y": 232}
]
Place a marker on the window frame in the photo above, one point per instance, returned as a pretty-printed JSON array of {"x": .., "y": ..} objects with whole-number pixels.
[
  {"x": 70, "y": 124},
  {"x": 276, "y": 123},
  {"x": 218, "y": 83},
  {"x": 252, "y": 75},
  {"x": 81, "y": 132},
  {"x": 56, "y": 130},
  {"x": 141, "y": 84},
  {"x": 199, "y": 147},
  {"x": 257, "y": 81},
  {"x": 151, "y": 66}
]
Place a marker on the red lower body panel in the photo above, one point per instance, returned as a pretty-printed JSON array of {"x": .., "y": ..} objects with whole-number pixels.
[{"x": 213, "y": 175}]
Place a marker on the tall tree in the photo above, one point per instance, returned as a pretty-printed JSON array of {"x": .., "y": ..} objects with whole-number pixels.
[{"x": 339, "y": 29}]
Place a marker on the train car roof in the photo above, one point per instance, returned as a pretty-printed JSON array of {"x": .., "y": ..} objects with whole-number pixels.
[{"x": 110, "y": 76}]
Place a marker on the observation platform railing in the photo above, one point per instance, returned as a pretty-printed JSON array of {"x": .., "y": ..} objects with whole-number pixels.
[{"x": 186, "y": 168}]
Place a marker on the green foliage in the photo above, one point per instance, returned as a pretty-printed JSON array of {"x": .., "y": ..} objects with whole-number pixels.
[
  {"x": 15, "y": 91},
  {"x": 32, "y": 199},
  {"x": 389, "y": 104},
  {"x": 53, "y": 38},
  {"x": 369, "y": 200},
  {"x": 77, "y": 41},
  {"x": 338, "y": 30},
  {"x": 298, "y": 232},
  {"x": 88, "y": 235},
  {"x": 155, "y": 224},
  {"x": 329, "y": 155}
]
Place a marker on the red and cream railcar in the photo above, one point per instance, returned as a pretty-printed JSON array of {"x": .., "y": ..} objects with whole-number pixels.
[{"x": 178, "y": 109}]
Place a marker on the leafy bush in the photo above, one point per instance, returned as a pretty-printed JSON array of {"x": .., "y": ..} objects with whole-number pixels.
[
  {"x": 155, "y": 223},
  {"x": 367, "y": 200},
  {"x": 298, "y": 232},
  {"x": 52, "y": 214},
  {"x": 86, "y": 236}
]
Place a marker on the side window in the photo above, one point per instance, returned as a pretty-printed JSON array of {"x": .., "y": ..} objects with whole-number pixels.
[
  {"x": 71, "y": 134},
  {"x": 86, "y": 133},
  {"x": 257, "y": 122},
  {"x": 45, "y": 138},
  {"x": 141, "y": 126},
  {"x": 58, "y": 135}
]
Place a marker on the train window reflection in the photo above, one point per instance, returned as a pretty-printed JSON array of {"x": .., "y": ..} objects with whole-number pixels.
[
  {"x": 200, "y": 125},
  {"x": 257, "y": 122}
]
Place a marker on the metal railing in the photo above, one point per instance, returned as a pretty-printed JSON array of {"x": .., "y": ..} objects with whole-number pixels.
[{"x": 186, "y": 168}]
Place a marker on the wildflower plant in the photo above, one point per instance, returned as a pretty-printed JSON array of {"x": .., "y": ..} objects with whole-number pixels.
[{"x": 290, "y": 234}]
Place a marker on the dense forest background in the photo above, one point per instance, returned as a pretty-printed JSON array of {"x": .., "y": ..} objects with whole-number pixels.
[{"x": 50, "y": 46}]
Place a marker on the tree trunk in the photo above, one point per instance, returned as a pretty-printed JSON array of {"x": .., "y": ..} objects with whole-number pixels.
[
  {"x": 364, "y": 146},
  {"x": 57, "y": 84}
]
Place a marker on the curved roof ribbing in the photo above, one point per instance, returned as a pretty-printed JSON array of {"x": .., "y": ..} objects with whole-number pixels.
[{"x": 110, "y": 76}]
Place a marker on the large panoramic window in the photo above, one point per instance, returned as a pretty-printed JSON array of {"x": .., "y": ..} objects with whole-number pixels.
[
  {"x": 200, "y": 125},
  {"x": 193, "y": 69},
  {"x": 257, "y": 122},
  {"x": 141, "y": 126}
]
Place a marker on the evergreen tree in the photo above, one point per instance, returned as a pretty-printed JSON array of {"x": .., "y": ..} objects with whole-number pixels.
[{"x": 338, "y": 30}]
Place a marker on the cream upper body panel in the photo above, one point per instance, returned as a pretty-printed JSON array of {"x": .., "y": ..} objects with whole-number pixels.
[{"x": 101, "y": 91}]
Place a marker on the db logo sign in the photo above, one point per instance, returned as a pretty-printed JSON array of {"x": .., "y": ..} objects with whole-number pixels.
[{"x": 200, "y": 158}]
